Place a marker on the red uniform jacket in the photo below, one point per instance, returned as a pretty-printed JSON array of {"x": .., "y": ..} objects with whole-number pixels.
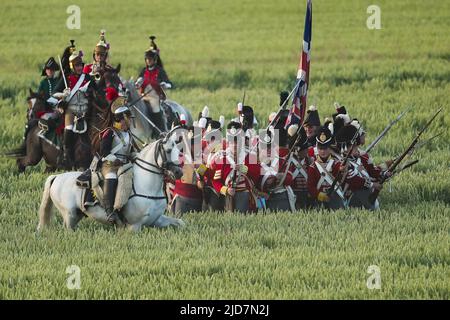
[
  {"x": 72, "y": 80},
  {"x": 222, "y": 173},
  {"x": 314, "y": 175},
  {"x": 154, "y": 77}
]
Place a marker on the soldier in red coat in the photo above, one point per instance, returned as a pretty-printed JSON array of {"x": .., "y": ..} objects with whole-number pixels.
[
  {"x": 323, "y": 171},
  {"x": 154, "y": 77},
  {"x": 74, "y": 103},
  {"x": 280, "y": 166},
  {"x": 302, "y": 161},
  {"x": 100, "y": 56},
  {"x": 363, "y": 176},
  {"x": 234, "y": 175},
  {"x": 188, "y": 195}
]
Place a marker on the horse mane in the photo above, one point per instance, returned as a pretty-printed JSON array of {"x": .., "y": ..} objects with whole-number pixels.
[
  {"x": 35, "y": 95},
  {"x": 105, "y": 120}
]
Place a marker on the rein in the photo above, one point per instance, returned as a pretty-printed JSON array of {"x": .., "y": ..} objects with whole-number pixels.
[{"x": 161, "y": 170}]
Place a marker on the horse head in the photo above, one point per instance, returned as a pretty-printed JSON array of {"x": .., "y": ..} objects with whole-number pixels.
[
  {"x": 36, "y": 104},
  {"x": 170, "y": 154},
  {"x": 109, "y": 77}
]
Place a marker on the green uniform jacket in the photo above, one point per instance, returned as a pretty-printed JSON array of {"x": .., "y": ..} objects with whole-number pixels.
[{"x": 47, "y": 86}]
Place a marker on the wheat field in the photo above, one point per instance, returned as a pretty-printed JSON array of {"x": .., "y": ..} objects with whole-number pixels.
[{"x": 213, "y": 51}]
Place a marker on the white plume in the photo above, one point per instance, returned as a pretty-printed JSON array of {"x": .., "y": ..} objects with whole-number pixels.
[{"x": 205, "y": 112}]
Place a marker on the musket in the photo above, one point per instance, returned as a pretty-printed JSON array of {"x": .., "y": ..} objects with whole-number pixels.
[
  {"x": 373, "y": 196},
  {"x": 406, "y": 166},
  {"x": 424, "y": 142},
  {"x": 421, "y": 144},
  {"x": 383, "y": 133},
  {"x": 283, "y": 105},
  {"x": 345, "y": 163},
  {"x": 234, "y": 178},
  {"x": 291, "y": 149},
  {"x": 281, "y": 108}
]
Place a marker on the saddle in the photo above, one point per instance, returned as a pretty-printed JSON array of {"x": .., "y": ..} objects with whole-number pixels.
[
  {"x": 93, "y": 188},
  {"x": 49, "y": 131}
]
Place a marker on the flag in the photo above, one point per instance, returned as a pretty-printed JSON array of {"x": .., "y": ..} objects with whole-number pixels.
[{"x": 298, "y": 108}]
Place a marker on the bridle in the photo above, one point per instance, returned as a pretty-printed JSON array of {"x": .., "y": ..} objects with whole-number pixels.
[{"x": 155, "y": 168}]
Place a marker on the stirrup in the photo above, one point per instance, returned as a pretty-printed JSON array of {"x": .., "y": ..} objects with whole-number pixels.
[{"x": 115, "y": 221}]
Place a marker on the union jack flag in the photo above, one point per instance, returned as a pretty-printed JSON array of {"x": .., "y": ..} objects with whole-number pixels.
[{"x": 297, "y": 111}]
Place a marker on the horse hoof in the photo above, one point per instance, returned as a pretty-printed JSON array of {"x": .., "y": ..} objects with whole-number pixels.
[{"x": 180, "y": 223}]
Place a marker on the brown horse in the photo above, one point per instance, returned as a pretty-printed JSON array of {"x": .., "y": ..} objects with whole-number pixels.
[
  {"x": 98, "y": 118},
  {"x": 37, "y": 147}
]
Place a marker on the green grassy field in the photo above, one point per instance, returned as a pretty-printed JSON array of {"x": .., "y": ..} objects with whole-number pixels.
[{"x": 213, "y": 50}]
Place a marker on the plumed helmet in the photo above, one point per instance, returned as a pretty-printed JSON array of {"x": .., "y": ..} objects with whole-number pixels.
[
  {"x": 102, "y": 46},
  {"x": 75, "y": 57},
  {"x": 119, "y": 109},
  {"x": 153, "y": 50}
]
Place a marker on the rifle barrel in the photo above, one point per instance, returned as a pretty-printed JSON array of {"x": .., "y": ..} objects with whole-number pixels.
[
  {"x": 385, "y": 130},
  {"x": 373, "y": 196}
]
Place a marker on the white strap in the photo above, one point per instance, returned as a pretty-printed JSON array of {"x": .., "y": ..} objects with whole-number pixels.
[
  {"x": 325, "y": 176},
  {"x": 77, "y": 86}
]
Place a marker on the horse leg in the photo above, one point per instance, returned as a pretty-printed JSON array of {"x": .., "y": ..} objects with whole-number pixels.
[
  {"x": 135, "y": 227},
  {"x": 164, "y": 221},
  {"x": 83, "y": 152},
  {"x": 50, "y": 155},
  {"x": 71, "y": 218},
  {"x": 34, "y": 151}
]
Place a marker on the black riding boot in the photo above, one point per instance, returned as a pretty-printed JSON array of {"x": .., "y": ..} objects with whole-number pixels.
[
  {"x": 109, "y": 195},
  {"x": 159, "y": 121},
  {"x": 69, "y": 139}
]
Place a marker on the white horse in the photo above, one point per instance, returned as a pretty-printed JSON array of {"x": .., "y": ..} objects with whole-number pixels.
[
  {"x": 152, "y": 103},
  {"x": 147, "y": 201}
]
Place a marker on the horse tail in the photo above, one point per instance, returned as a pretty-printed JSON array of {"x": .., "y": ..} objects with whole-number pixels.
[{"x": 45, "y": 210}]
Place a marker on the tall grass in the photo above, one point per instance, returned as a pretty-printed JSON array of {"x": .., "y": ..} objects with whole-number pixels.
[{"x": 213, "y": 51}]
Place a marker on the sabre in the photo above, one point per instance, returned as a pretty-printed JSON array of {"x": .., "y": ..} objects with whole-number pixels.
[
  {"x": 146, "y": 118},
  {"x": 388, "y": 127},
  {"x": 62, "y": 71}
]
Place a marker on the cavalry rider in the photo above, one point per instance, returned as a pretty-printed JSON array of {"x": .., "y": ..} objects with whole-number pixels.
[
  {"x": 299, "y": 142},
  {"x": 234, "y": 173},
  {"x": 97, "y": 68},
  {"x": 48, "y": 84},
  {"x": 116, "y": 148},
  {"x": 322, "y": 172},
  {"x": 46, "y": 90},
  {"x": 100, "y": 56},
  {"x": 74, "y": 104},
  {"x": 154, "y": 75}
]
